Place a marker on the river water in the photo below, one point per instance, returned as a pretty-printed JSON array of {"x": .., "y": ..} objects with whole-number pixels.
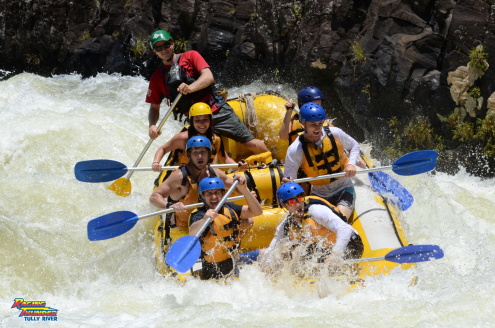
[{"x": 49, "y": 124}]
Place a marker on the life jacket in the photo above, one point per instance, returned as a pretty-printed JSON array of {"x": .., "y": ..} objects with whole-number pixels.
[
  {"x": 310, "y": 233},
  {"x": 222, "y": 238},
  {"x": 192, "y": 196},
  {"x": 296, "y": 129},
  {"x": 175, "y": 76},
  {"x": 179, "y": 156},
  {"x": 330, "y": 158}
]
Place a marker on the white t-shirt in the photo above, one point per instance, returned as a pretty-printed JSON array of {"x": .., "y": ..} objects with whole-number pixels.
[{"x": 295, "y": 154}]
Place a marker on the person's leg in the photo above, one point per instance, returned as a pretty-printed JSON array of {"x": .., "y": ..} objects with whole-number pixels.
[
  {"x": 226, "y": 123},
  {"x": 345, "y": 210},
  {"x": 257, "y": 146},
  {"x": 344, "y": 201}
]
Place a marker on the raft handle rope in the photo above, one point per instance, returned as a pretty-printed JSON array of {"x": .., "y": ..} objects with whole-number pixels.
[{"x": 251, "y": 119}]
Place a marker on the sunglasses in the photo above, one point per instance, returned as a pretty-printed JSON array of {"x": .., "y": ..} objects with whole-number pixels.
[
  {"x": 293, "y": 201},
  {"x": 163, "y": 46},
  {"x": 213, "y": 192}
]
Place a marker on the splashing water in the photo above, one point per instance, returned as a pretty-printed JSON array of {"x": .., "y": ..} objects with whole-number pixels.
[{"x": 49, "y": 124}]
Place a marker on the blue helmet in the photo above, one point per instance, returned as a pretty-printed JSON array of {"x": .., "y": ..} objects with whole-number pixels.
[
  {"x": 198, "y": 141},
  {"x": 211, "y": 183},
  {"x": 288, "y": 190},
  {"x": 309, "y": 94},
  {"x": 312, "y": 112}
]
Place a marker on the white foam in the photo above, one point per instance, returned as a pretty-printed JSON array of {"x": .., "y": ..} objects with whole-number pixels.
[{"x": 48, "y": 124}]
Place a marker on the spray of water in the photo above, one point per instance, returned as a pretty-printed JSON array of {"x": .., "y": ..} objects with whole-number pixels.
[{"x": 49, "y": 124}]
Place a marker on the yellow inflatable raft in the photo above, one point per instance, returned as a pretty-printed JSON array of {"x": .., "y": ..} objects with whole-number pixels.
[
  {"x": 374, "y": 219},
  {"x": 263, "y": 114}
]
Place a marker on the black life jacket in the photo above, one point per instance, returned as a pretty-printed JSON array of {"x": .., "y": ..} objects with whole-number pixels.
[{"x": 174, "y": 77}]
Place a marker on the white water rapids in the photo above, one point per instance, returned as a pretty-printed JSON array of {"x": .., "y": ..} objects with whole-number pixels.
[{"x": 49, "y": 124}]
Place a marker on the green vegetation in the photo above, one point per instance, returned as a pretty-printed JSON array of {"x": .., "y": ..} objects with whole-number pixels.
[
  {"x": 463, "y": 131},
  {"x": 296, "y": 9},
  {"x": 416, "y": 135},
  {"x": 357, "y": 51},
  {"x": 85, "y": 36},
  {"x": 486, "y": 134},
  {"x": 180, "y": 45},
  {"x": 394, "y": 124},
  {"x": 139, "y": 48},
  {"x": 453, "y": 119},
  {"x": 481, "y": 132},
  {"x": 474, "y": 92},
  {"x": 478, "y": 58},
  {"x": 367, "y": 90},
  {"x": 33, "y": 59}
]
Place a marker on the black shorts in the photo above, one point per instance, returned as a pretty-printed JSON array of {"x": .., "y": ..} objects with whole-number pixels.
[
  {"x": 346, "y": 198},
  {"x": 217, "y": 270},
  {"x": 228, "y": 124}
]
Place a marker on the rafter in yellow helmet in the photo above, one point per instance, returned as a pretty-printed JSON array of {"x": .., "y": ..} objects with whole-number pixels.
[{"x": 199, "y": 108}]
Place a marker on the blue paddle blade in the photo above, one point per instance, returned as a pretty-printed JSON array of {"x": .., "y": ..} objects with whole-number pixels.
[
  {"x": 99, "y": 170},
  {"x": 416, "y": 162},
  {"x": 184, "y": 253},
  {"x": 111, "y": 225},
  {"x": 391, "y": 189},
  {"x": 415, "y": 253},
  {"x": 249, "y": 257}
]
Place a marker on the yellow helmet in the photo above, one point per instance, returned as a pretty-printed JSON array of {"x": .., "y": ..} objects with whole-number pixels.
[{"x": 200, "y": 108}]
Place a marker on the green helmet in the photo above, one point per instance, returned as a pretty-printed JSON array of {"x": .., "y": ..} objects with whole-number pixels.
[{"x": 159, "y": 35}]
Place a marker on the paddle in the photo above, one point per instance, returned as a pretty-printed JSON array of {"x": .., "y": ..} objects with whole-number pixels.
[
  {"x": 407, "y": 254},
  {"x": 410, "y": 164},
  {"x": 391, "y": 189},
  {"x": 117, "y": 223},
  {"x": 123, "y": 186},
  {"x": 104, "y": 170},
  {"x": 186, "y": 250}
]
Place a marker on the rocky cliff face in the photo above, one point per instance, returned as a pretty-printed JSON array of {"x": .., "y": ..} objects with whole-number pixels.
[{"x": 374, "y": 59}]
